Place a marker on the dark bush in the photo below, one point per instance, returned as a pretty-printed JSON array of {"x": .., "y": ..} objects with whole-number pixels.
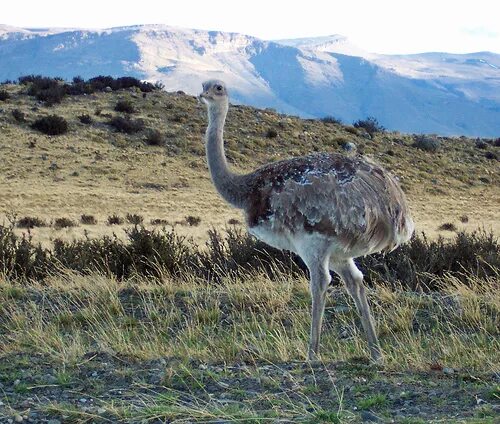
[
  {"x": 126, "y": 125},
  {"x": 464, "y": 219},
  {"x": 331, "y": 120},
  {"x": 4, "y": 95},
  {"x": 18, "y": 115},
  {"x": 30, "y": 222},
  {"x": 124, "y": 106},
  {"x": 234, "y": 221},
  {"x": 415, "y": 265},
  {"x": 447, "y": 226},
  {"x": 154, "y": 138},
  {"x": 64, "y": 223},
  {"x": 88, "y": 220},
  {"x": 193, "y": 221},
  {"x": 85, "y": 119},
  {"x": 429, "y": 143},
  {"x": 480, "y": 144},
  {"x": 115, "y": 220},
  {"x": 51, "y": 125},
  {"x": 271, "y": 133},
  {"x": 370, "y": 124},
  {"x": 159, "y": 221},
  {"x": 135, "y": 219},
  {"x": 51, "y": 95},
  {"x": 491, "y": 156}
]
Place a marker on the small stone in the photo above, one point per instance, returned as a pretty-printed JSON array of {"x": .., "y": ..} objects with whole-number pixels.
[
  {"x": 17, "y": 382},
  {"x": 18, "y": 418},
  {"x": 101, "y": 411},
  {"x": 94, "y": 374},
  {"x": 82, "y": 400},
  {"x": 448, "y": 370},
  {"x": 53, "y": 421}
]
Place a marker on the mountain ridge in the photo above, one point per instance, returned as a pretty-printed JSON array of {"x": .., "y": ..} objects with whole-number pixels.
[{"x": 442, "y": 93}]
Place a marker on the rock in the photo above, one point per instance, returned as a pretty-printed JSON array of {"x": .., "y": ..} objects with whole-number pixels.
[
  {"x": 368, "y": 416},
  {"x": 53, "y": 421},
  {"x": 108, "y": 90},
  {"x": 101, "y": 411},
  {"x": 349, "y": 146},
  {"x": 82, "y": 400},
  {"x": 18, "y": 418},
  {"x": 17, "y": 382},
  {"x": 449, "y": 371}
]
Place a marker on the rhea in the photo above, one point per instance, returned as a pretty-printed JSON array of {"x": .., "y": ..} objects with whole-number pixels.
[{"x": 327, "y": 208}]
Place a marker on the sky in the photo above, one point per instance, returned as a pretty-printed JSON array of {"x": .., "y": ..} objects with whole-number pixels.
[{"x": 382, "y": 26}]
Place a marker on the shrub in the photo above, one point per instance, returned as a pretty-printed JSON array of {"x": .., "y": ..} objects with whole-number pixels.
[
  {"x": 88, "y": 219},
  {"x": 85, "y": 119},
  {"x": 491, "y": 156},
  {"x": 331, "y": 120},
  {"x": 464, "y": 219},
  {"x": 30, "y": 222},
  {"x": 193, "y": 221},
  {"x": 480, "y": 144},
  {"x": 447, "y": 226},
  {"x": 415, "y": 265},
  {"x": 234, "y": 221},
  {"x": 134, "y": 219},
  {"x": 154, "y": 138},
  {"x": 63, "y": 223},
  {"x": 4, "y": 95},
  {"x": 51, "y": 125},
  {"x": 124, "y": 106},
  {"x": 51, "y": 95},
  {"x": 18, "y": 115},
  {"x": 126, "y": 125},
  {"x": 370, "y": 124},
  {"x": 271, "y": 133},
  {"x": 429, "y": 143},
  {"x": 159, "y": 221},
  {"x": 115, "y": 220}
]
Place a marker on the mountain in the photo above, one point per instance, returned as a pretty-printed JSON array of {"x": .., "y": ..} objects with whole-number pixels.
[{"x": 442, "y": 93}]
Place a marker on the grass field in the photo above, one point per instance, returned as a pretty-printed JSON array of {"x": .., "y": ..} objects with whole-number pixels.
[{"x": 89, "y": 347}]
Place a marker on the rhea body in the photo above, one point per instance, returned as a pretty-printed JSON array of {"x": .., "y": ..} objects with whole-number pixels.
[{"x": 327, "y": 208}]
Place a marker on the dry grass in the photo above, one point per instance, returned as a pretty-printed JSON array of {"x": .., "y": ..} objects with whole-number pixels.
[
  {"x": 246, "y": 319},
  {"x": 101, "y": 172}
]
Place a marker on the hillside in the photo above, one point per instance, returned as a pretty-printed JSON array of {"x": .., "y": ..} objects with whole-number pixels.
[
  {"x": 95, "y": 170},
  {"x": 159, "y": 329},
  {"x": 441, "y": 93}
]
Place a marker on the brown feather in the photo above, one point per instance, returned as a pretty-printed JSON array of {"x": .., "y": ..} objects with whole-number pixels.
[{"x": 350, "y": 199}]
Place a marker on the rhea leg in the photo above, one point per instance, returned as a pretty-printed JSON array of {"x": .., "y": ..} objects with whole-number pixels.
[
  {"x": 353, "y": 279},
  {"x": 320, "y": 279}
]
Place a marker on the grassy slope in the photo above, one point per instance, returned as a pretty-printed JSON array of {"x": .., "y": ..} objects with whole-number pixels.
[
  {"x": 96, "y": 171},
  {"x": 187, "y": 350},
  {"x": 142, "y": 350}
]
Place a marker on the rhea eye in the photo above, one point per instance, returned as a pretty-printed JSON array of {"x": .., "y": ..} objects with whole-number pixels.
[{"x": 218, "y": 87}]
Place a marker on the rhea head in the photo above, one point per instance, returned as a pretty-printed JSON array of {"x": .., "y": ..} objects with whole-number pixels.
[{"x": 214, "y": 93}]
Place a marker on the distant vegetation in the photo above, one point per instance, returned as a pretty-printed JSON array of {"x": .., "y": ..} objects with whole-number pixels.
[
  {"x": 53, "y": 90},
  {"x": 370, "y": 124}
]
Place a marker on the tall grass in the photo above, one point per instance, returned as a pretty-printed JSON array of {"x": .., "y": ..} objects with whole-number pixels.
[{"x": 246, "y": 318}]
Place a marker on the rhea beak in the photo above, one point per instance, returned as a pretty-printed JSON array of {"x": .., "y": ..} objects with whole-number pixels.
[{"x": 202, "y": 98}]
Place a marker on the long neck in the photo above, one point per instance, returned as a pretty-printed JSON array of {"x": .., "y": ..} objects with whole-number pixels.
[{"x": 229, "y": 185}]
